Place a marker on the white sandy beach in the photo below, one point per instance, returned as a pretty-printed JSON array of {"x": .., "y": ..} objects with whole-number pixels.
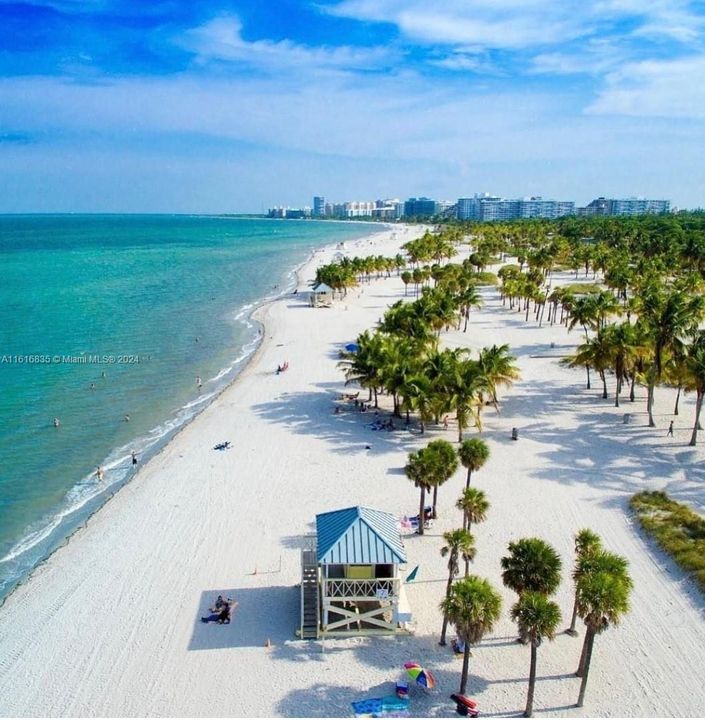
[{"x": 109, "y": 626}]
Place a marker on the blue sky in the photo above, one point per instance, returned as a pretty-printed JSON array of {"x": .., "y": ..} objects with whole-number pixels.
[{"x": 215, "y": 106}]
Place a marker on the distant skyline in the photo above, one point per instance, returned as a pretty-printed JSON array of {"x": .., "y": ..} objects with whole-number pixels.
[{"x": 181, "y": 106}]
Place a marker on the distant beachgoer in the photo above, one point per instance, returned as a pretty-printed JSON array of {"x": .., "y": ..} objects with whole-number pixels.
[
  {"x": 337, "y": 409},
  {"x": 445, "y": 422},
  {"x": 57, "y": 422},
  {"x": 127, "y": 418},
  {"x": 199, "y": 384},
  {"x": 670, "y": 430},
  {"x": 92, "y": 386},
  {"x": 103, "y": 374},
  {"x": 134, "y": 458},
  {"x": 100, "y": 473}
]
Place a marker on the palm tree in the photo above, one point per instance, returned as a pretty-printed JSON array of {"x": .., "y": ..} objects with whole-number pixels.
[
  {"x": 473, "y": 454},
  {"x": 695, "y": 378},
  {"x": 443, "y": 462},
  {"x": 595, "y": 352},
  {"x": 499, "y": 369},
  {"x": 459, "y": 543},
  {"x": 417, "y": 471},
  {"x": 603, "y": 598},
  {"x": 599, "y": 561},
  {"x": 532, "y": 564},
  {"x": 474, "y": 505},
  {"x": 586, "y": 543},
  {"x": 473, "y": 606},
  {"x": 668, "y": 317},
  {"x": 538, "y": 618}
]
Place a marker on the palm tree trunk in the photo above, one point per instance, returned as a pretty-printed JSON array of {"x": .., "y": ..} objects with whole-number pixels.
[
  {"x": 442, "y": 641},
  {"x": 590, "y": 640},
  {"x": 571, "y": 630},
  {"x": 678, "y": 397},
  {"x": 532, "y": 683},
  {"x": 583, "y": 654},
  {"x": 650, "y": 404},
  {"x": 467, "y": 315},
  {"x": 698, "y": 408},
  {"x": 467, "y": 481},
  {"x": 422, "y": 513},
  {"x": 466, "y": 666},
  {"x": 587, "y": 367},
  {"x": 435, "y": 500},
  {"x": 604, "y": 384},
  {"x": 631, "y": 388},
  {"x": 618, "y": 390}
]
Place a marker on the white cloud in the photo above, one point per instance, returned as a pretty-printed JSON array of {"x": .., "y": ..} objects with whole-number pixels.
[
  {"x": 511, "y": 24},
  {"x": 655, "y": 89},
  {"x": 221, "y": 39}
]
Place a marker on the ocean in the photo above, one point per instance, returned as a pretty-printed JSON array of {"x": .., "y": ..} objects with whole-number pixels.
[{"x": 122, "y": 328}]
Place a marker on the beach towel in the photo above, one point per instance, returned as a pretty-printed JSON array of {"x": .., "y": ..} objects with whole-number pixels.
[{"x": 387, "y": 706}]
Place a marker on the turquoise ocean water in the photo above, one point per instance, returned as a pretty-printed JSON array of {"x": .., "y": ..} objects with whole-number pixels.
[{"x": 103, "y": 317}]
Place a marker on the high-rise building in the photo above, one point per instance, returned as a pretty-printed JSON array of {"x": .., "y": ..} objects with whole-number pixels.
[
  {"x": 628, "y": 206},
  {"x": 319, "y": 205},
  {"x": 420, "y": 207},
  {"x": 489, "y": 207}
]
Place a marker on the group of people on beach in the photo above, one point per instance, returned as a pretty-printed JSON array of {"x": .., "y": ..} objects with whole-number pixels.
[{"x": 221, "y": 612}]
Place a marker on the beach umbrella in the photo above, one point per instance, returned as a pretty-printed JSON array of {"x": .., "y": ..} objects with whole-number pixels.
[
  {"x": 420, "y": 675},
  {"x": 352, "y": 347}
]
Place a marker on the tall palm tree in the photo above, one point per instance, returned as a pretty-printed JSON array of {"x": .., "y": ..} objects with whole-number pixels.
[
  {"x": 459, "y": 544},
  {"x": 586, "y": 543},
  {"x": 443, "y": 462},
  {"x": 532, "y": 564},
  {"x": 499, "y": 369},
  {"x": 669, "y": 316},
  {"x": 418, "y": 472},
  {"x": 603, "y": 598},
  {"x": 474, "y": 506},
  {"x": 473, "y": 454},
  {"x": 538, "y": 618},
  {"x": 695, "y": 378},
  {"x": 596, "y": 562},
  {"x": 473, "y": 606}
]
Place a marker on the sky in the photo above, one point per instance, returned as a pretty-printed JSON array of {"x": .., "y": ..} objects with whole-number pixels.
[{"x": 215, "y": 106}]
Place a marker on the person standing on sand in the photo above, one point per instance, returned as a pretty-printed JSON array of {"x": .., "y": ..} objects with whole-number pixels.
[
  {"x": 134, "y": 458},
  {"x": 670, "y": 430}
]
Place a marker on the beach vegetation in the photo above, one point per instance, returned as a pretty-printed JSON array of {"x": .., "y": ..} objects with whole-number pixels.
[
  {"x": 459, "y": 544},
  {"x": 678, "y": 530},
  {"x": 474, "y": 505},
  {"x": 532, "y": 564},
  {"x": 537, "y": 618},
  {"x": 586, "y": 543},
  {"x": 473, "y": 454},
  {"x": 603, "y": 593},
  {"x": 473, "y": 607}
]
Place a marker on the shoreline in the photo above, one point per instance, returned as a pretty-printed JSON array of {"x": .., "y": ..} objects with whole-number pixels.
[
  {"x": 96, "y": 503},
  {"x": 110, "y": 626}
]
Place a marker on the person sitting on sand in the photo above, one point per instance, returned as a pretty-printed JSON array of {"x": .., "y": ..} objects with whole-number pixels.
[{"x": 221, "y": 612}]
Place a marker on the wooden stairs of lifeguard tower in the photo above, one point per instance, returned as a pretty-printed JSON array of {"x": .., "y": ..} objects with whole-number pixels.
[{"x": 309, "y": 595}]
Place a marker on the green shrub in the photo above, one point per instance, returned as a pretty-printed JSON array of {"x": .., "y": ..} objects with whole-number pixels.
[{"x": 678, "y": 530}]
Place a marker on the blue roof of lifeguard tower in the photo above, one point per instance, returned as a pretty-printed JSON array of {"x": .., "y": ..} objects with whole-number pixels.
[{"x": 359, "y": 536}]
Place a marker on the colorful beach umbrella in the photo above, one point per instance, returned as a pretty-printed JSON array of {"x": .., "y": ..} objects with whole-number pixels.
[
  {"x": 352, "y": 347},
  {"x": 420, "y": 675}
]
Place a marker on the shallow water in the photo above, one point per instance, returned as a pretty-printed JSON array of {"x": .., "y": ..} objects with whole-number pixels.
[{"x": 108, "y": 317}]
